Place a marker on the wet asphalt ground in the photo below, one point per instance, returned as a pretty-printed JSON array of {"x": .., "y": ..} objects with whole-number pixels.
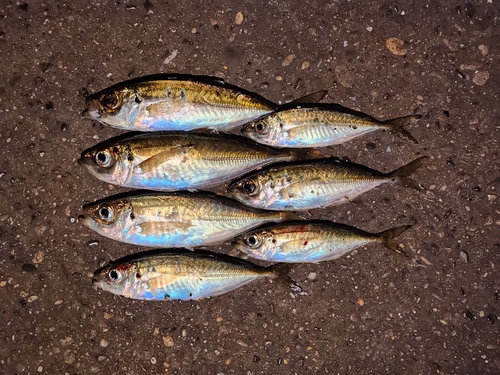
[{"x": 371, "y": 312}]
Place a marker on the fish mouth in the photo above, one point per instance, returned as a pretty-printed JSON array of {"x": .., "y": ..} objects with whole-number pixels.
[
  {"x": 92, "y": 114},
  {"x": 84, "y": 219}
]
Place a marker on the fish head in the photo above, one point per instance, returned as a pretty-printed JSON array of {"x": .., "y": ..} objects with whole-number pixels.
[
  {"x": 257, "y": 244},
  {"x": 119, "y": 279},
  {"x": 108, "y": 162},
  {"x": 114, "y": 107},
  {"x": 264, "y": 130},
  {"x": 249, "y": 190},
  {"x": 110, "y": 218}
]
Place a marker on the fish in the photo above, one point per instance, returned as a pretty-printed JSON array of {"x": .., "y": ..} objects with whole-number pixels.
[
  {"x": 317, "y": 184},
  {"x": 178, "y": 102},
  {"x": 174, "y": 219},
  {"x": 170, "y": 161},
  {"x": 167, "y": 275},
  {"x": 310, "y": 242},
  {"x": 319, "y": 125}
]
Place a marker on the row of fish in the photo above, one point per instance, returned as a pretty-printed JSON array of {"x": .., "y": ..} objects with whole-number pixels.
[
  {"x": 186, "y": 103},
  {"x": 172, "y": 159}
]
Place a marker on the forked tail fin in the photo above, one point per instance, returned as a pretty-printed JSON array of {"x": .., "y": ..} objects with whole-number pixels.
[
  {"x": 396, "y": 126},
  {"x": 387, "y": 237},
  {"x": 403, "y": 173},
  {"x": 281, "y": 273}
]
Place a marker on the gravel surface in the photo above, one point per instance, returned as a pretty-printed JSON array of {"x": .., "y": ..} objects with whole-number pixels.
[{"x": 371, "y": 312}]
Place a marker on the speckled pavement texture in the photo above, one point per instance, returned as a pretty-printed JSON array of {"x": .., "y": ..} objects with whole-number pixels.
[{"x": 372, "y": 312}]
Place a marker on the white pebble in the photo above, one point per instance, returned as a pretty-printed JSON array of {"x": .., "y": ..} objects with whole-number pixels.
[
  {"x": 369, "y": 29},
  {"x": 153, "y": 360},
  {"x": 103, "y": 343},
  {"x": 312, "y": 276}
]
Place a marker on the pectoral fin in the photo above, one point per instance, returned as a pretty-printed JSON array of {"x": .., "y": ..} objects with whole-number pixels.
[{"x": 155, "y": 161}]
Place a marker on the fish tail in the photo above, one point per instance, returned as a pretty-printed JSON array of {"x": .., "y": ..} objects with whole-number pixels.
[
  {"x": 387, "y": 237},
  {"x": 396, "y": 126},
  {"x": 289, "y": 216},
  {"x": 280, "y": 272},
  {"x": 306, "y": 154},
  {"x": 403, "y": 173},
  {"x": 308, "y": 99}
]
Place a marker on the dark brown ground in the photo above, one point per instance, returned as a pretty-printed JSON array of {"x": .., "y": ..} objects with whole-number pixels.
[{"x": 368, "y": 313}]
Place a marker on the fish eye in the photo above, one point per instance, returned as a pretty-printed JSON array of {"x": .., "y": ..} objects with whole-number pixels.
[
  {"x": 115, "y": 275},
  {"x": 248, "y": 186},
  {"x": 260, "y": 128},
  {"x": 253, "y": 241},
  {"x": 109, "y": 101},
  {"x": 103, "y": 158},
  {"x": 106, "y": 213}
]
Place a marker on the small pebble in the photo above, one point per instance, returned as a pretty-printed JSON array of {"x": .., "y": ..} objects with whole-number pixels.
[
  {"x": 369, "y": 29},
  {"x": 481, "y": 314},
  {"x": 239, "y": 18},
  {"x": 28, "y": 267},
  {"x": 3, "y": 283},
  {"x": 312, "y": 276},
  {"x": 39, "y": 257},
  {"x": 103, "y": 343},
  {"x": 101, "y": 358},
  {"x": 20, "y": 367},
  {"x": 388, "y": 149},
  {"x": 464, "y": 256},
  {"x": 168, "y": 341},
  {"x": 288, "y": 60},
  {"x": 483, "y": 49},
  {"x": 361, "y": 302},
  {"x": 93, "y": 243},
  {"x": 481, "y": 77},
  {"x": 39, "y": 368},
  {"x": 396, "y": 46},
  {"x": 241, "y": 343},
  {"x": 58, "y": 302},
  {"x": 305, "y": 64},
  {"x": 153, "y": 360},
  {"x": 193, "y": 30},
  {"x": 32, "y": 299},
  {"x": 72, "y": 220},
  {"x": 279, "y": 78}
]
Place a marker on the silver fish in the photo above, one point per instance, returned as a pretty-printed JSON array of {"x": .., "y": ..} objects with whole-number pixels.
[
  {"x": 180, "y": 275},
  {"x": 174, "y": 219},
  {"x": 310, "y": 242},
  {"x": 178, "y": 102},
  {"x": 319, "y": 125},
  {"x": 179, "y": 160},
  {"x": 308, "y": 185}
]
